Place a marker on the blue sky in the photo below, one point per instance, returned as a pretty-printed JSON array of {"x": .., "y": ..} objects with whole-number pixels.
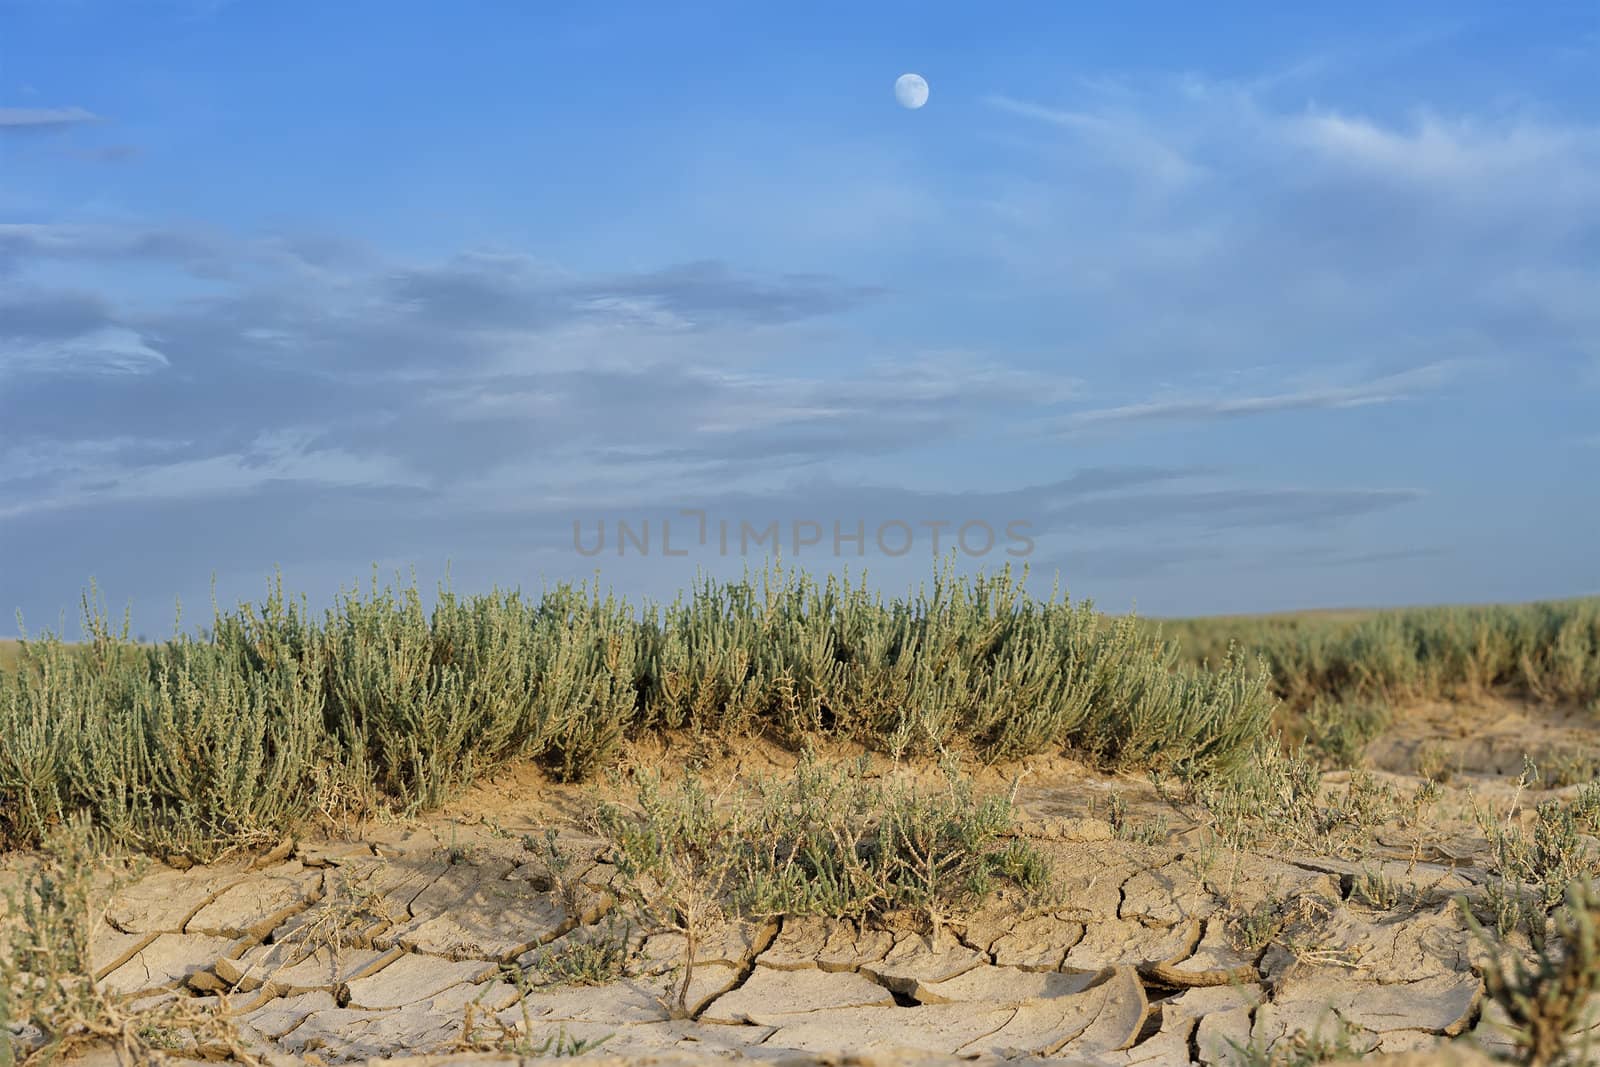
[{"x": 1236, "y": 313}]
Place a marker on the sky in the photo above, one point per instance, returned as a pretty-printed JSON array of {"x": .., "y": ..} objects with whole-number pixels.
[{"x": 1192, "y": 309}]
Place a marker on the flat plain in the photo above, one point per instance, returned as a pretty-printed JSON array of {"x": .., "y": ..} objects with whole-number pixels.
[{"x": 773, "y": 865}]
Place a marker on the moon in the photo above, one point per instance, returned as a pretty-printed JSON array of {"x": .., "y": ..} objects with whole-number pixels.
[{"x": 911, "y": 90}]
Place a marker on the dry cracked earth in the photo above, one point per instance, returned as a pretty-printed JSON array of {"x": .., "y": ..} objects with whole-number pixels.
[{"x": 427, "y": 939}]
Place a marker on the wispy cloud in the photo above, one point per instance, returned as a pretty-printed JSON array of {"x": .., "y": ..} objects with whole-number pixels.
[
  {"x": 91, "y": 473},
  {"x": 110, "y": 350},
  {"x": 1416, "y": 240},
  {"x": 1443, "y": 153},
  {"x": 1382, "y": 390},
  {"x": 494, "y": 370},
  {"x": 1223, "y": 509},
  {"x": 40, "y": 118},
  {"x": 508, "y": 290},
  {"x": 1120, "y": 138},
  {"x": 45, "y": 332}
]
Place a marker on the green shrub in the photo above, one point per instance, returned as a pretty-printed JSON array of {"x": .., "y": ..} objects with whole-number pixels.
[
  {"x": 232, "y": 738},
  {"x": 834, "y": 842},
  {"x": 1545, "y": 651},
  {"x": 586, "y": 957},
  {"x": 47, "y": 927},
  {"x": 168, "y": 748},
  {"x": 1278, "y": 799},
  {"x": 1339, "y": 733},
  {"x": 1550, "y": 859},
  {"x": 824, "y": 841},
  {"x": 1547, "y": 999}
]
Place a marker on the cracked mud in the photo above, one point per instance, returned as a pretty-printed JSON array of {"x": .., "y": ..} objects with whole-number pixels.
[{"x": 394, "y": 943}]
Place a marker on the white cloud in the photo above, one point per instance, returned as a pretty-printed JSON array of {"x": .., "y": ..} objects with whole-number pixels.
[
  {"x": 111, "y": 350},
  {"x": 93, "y": 473},
  {"x": 1121, "y": 139},
  {"x": 1381, "y": 390},
  {"x": 1438, "y": 152},
  {"x": 40, "y": 459},
  {"x": 43, "y": 117},
  {"x": 1327, "y": 232}
]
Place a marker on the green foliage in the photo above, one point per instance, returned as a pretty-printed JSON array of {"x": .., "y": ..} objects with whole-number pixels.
[
  {"x": 230, "y": 739},
  {"x": 1148, "y": 831},
  {"x": 45, "y": 974},
  {"x": 47, "y": 925},
  {"x": 586, "y": 957},
  {"x": 1586, "y": 808},
  {"x": 1279, "y": 799},
  {"x": 1546, "y": 999},
  {"x": 822, "y": 842},
  {"x": 1550, "y": 856},
  {"x": 677, "y": 860},
  {"x": 1339, "y": 733},
  {"x": 162, "y": 747},
  {"x": 562, "y": 1044},
  {"x": 1345, "y": 1042},
  {"x": 1548, "y": 652}
]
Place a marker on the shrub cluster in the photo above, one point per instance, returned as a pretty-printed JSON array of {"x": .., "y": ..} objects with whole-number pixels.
[
  {"x": 1549, "y": 652},
  {"x": 229, "y": 738},
  {"x": 826, "y": 841}
]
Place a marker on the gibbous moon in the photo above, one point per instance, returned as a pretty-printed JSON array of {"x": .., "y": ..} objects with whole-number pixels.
[{"x": 911, "y": 90}]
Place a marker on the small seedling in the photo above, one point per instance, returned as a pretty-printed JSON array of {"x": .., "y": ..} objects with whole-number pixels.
[
  {"x": 1153, "y": 831},
  {"x": 1345, "y": 1043},
  {"x": 1435, "y": 763},
  {"x": 587, "y": 957}
]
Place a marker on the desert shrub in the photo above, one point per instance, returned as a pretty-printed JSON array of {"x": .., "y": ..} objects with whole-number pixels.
[
  {"x": 1339, "y": 733},
  {"x": 47, "y": 925},
  {"x": 706, "y": 667},
  {"x": 401, "y": 693},
  {"x": 978, "y": 663},
  {"x": 1543, "y": 651},
  {"x": 586, "y": 957},
  {"x": 1586, "y": 807},
  {"x": 824, "y": 841},
  {"x": 747, "y": 655},
  {"x": 585, "y": 679},
  {"x": 1147, "y": 831},
  {"x": 834, "y": 842},
  {"x": 1279, "y": 799},
  {"x": 168, "y": 748},
  {"x": 676, "y": 858},
  {"x": 428, "y": 703},
  {"x": 1340, "y": 1042},
  {"x": 273, "y": 715},
  {"x": 1549, "y": 857},
  {"x": 1546, "y": 999}
]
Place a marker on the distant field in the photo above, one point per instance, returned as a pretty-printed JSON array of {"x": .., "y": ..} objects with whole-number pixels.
[
  {"x": 1547, "y": 651},
  {"x": 8, "y": 655}
]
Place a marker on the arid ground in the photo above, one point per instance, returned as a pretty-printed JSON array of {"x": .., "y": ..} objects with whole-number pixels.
[
  {"x": 1162, "y": 943},
  {"x": 1383, "y": 853}
]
